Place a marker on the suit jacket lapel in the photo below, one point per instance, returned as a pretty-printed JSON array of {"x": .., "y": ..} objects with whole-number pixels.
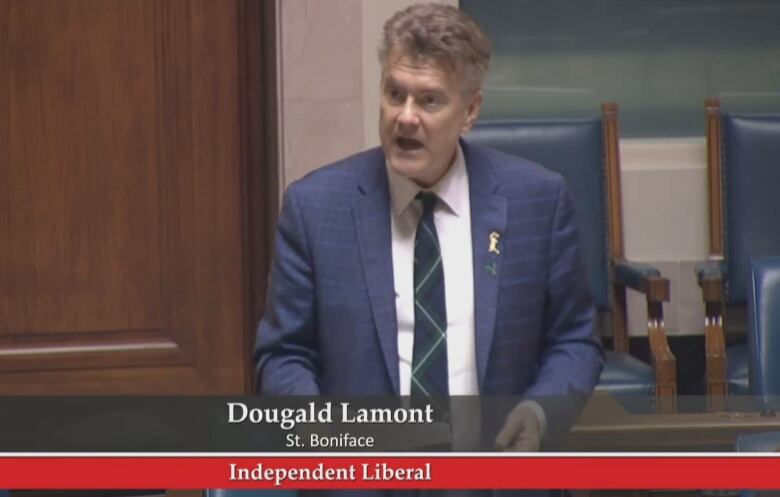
[
  {"x": 371, "y": 212},
  {"x": 488, "y": 216}
]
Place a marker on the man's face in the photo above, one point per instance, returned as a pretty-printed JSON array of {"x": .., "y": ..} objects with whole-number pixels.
[{"x": 423, "y": 112}]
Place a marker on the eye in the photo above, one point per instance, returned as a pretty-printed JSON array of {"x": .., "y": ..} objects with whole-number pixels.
[
  {"x": 394, "y": 95},
  {"x": 431, "y": 101}
]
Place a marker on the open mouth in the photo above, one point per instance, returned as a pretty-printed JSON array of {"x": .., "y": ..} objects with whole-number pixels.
[{"x": 408, "y": 144}]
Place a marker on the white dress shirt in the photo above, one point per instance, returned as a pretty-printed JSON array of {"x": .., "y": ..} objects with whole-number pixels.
[{"x": 452, "y": 217}]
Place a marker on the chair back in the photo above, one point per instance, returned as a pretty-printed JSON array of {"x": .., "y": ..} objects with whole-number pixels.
[
  {"x": 750, "y": 156},
  {"x": 764, "y": 327},
  {"x": 573, "y": 148}
]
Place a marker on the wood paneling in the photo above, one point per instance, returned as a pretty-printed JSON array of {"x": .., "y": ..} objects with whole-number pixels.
[
  {"x": 77, "y": 137},
  {"x": 123, "y": 254}
]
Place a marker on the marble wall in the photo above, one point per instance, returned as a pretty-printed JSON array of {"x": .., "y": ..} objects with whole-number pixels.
[{"x": 321, "y": 83}]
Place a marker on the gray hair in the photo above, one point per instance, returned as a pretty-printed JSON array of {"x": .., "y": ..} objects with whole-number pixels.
[{"x": 442, "y": 33}]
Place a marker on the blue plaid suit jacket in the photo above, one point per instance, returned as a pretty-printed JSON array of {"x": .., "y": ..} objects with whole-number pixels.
[{"x": 330, "y": 326}]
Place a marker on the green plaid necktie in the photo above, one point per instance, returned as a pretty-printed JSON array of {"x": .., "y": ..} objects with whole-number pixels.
[{"x": 429, "y": 358}]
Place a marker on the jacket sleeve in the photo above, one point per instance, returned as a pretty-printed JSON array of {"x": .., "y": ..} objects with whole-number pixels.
[
  {"x": 570, "y": 356},
  {"x": 286, "y": 349}
]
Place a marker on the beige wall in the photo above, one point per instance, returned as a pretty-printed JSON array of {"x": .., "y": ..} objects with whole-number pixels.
[
  {"x": 329, "y": 93},
  {"x": 321, "y": 83}
]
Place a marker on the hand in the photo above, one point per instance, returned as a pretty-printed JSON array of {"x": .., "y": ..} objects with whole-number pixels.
[{"x": 521, "y": 431}]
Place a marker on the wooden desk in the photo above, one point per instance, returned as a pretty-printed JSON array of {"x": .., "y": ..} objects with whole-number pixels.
[{"x": 605, "y": 425}]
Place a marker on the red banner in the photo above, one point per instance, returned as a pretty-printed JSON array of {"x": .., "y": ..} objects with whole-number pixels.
[{"x": 328, "y": 471}]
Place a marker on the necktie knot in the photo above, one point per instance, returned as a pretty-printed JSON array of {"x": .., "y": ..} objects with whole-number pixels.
[{"x": 428, "y": 200}]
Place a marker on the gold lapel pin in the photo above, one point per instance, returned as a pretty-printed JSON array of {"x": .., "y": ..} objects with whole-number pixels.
[{"x": 494, "y": 237}]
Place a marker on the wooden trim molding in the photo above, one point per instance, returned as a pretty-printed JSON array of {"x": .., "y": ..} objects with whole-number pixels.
[
  {"x": 610, "y": 130},
  {"x": 612, "y": 160},
  {"x": 714, "y": 175},
  {"x": 259, "y": 155}
]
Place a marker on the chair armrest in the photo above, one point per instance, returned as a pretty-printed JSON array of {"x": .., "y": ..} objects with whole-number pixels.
[
  {"x": 643, "y": 278},
  {"x": 647, "y": 279},
  {"x": 709, "y": 275},
  {"x": 709, "y": 270}
]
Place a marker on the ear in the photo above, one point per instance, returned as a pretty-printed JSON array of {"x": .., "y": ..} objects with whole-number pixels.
[{"x": 472, "y": 112}]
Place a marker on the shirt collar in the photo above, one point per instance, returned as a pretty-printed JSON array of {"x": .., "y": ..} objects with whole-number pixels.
[{"x": 452, "y": 189}]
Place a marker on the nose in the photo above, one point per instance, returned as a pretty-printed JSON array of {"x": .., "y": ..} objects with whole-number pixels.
[{"x": 408, "y": 118}]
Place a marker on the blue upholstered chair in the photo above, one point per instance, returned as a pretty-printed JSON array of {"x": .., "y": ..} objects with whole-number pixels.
[
  {"x": 585, "y": 153},
  {"x": 743, "y": 155},
  {"x": 764, "y": 330},
  {"x": 249, "y": 493},
  {"x": 763, "y": 351}
]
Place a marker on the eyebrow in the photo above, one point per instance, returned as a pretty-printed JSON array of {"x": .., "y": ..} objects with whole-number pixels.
[{"x": 390, "y": 81}]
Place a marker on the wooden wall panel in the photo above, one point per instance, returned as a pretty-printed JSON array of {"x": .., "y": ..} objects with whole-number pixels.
[
  {"x": 122, "y": 251},
  {"x": 76, "y": 141}
]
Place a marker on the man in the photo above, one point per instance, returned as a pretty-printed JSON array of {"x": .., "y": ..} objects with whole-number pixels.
[{"x": 430, "y": 267}]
